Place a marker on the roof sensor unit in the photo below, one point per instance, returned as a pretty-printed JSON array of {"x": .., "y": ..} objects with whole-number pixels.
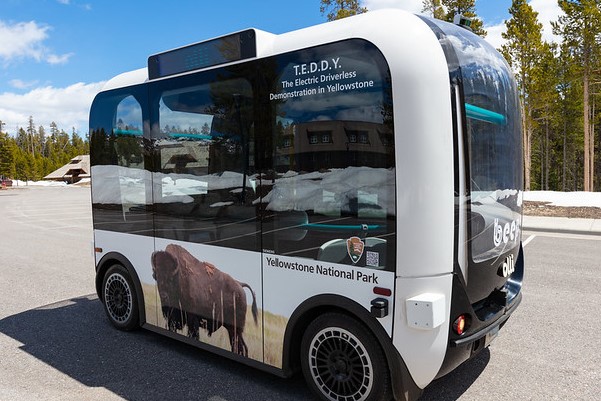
[{"x": 463, "y": 21}]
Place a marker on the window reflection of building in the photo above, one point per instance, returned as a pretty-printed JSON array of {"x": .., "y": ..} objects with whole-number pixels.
[
  {"x": 335, "y": 144},
  {"x": 185, "y": 157}
]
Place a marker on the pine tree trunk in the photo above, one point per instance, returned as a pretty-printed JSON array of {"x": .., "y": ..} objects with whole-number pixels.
[
  {"x": 565, "y": 154},
  {"x": 547, "y": 155},
  {"x": 587, "y": 140},
  {"x": 527, "y": 151}
]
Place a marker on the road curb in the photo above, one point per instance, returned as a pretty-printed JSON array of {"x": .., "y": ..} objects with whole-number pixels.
[{"x": 562, "y": 225}]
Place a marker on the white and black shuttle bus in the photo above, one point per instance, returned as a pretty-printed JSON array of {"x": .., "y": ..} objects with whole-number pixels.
[{"x": 345, "y": 200}]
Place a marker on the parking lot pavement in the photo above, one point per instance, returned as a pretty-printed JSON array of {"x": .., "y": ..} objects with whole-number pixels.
[
  {"x": 56, "y": 343},
  {"x": 45, "y": 246}
]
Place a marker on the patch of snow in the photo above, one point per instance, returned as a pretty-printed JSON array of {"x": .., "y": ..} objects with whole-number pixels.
[
  {"x": 19, "y": 183},
  {"x": 568, "y": 199}
]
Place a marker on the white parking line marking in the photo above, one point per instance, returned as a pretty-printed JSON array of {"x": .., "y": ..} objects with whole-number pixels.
[{"x": 530, "y": 238}]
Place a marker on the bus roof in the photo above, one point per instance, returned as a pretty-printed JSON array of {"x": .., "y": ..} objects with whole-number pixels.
[{"x": 267, "y": 44}]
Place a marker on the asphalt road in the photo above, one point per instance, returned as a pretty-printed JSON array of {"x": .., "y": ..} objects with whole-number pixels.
[{"x": 56, "y": 343}]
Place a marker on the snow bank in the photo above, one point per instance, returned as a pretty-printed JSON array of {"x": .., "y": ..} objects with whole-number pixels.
[
  {"x": 574, "y": 199},
  {"x": 19, "y": 183}
]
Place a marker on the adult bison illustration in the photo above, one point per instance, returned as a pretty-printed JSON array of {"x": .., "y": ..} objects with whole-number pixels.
[{"x": 196, "y": 294}]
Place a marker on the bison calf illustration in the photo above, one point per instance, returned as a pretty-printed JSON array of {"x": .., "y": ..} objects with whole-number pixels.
[{"x": 196, "y": 294}]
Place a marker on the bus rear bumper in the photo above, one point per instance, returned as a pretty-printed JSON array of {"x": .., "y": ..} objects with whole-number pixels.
[{"x": 464, "y": 348}]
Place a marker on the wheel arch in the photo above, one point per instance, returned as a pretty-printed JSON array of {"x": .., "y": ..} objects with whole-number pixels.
[
  {"x": 403, "y": 386},
  {"x": 102, "y": 267}
]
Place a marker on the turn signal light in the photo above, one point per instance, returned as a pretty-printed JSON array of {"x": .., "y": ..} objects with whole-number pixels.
[{"x": 459, "y": 325}]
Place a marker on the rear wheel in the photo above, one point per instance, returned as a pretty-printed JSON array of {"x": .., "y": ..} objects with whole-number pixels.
[
  {"x": 119, "y": 298},
  {"x": 342, "y": 361}
]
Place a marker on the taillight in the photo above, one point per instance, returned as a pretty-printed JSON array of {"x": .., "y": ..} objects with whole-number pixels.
[
  {"x": 459, "y": 326},
  {"x": 382, "y": 291}
]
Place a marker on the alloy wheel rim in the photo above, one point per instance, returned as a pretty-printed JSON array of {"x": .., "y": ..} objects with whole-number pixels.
[
  {"x": 118, "y": 298},
  {"x": 340, "y": 365}
]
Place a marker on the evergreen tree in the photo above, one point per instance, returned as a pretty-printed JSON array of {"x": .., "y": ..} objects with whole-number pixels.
[
  {"x": 570, "y": 111},
  {"x": 545, "y": 105},
  {"x": 31, "y": 155},
  {"x": 523, "y": 51},
  {"x": 7, "y": 155},
  {"x": 434, "y": 8},
  {"x": 338, "y": 9},
  {"x": 41, "y": 140},
  {"x": 447, "y": 9},
  {"x": 580, "y": 27},
  {"x": 31, "y": 136}
]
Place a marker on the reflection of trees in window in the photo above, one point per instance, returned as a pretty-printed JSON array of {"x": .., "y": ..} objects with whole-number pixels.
[
  {"x": 129, "y": 150},
  {"x": 284, "y": 134},
  {"x": 221, "y": 110},
  {"x": 176, "y": 129},
  {"x": 104, "y": 148}
]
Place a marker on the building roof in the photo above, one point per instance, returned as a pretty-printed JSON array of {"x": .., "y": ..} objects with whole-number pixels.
[{"x": 76, "y": 169}]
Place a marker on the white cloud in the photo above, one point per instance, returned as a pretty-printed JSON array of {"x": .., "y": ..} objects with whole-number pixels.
[
  {"x": 24, "y": 40},
  {"x": 548, "y": 11},
  {"x": 19, "y": 84},
  {"x": 68, "y": 107},
  {"x": 414, "y": 6},
  {"x": 493, "y": 34},
  {"x": 55, "y": 59}
]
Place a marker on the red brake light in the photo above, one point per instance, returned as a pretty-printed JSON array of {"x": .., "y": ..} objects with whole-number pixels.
[{"x": 459, "y": 325}]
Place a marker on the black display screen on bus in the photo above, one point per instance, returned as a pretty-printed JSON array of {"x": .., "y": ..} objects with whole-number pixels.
[{"x": 238, "y": 46}]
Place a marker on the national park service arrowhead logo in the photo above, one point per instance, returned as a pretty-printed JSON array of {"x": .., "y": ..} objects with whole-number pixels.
[{"x": 354, "y": 247}]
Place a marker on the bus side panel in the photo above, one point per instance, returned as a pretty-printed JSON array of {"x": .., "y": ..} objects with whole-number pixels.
[
  {"x": 219, "y": 296},
  {"x": 137, "y": 249},
  {"x": 422, "y": 349},
  {"x": 291, "y": 281}
]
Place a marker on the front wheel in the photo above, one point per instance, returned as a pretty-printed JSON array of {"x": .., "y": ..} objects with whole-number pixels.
[
  {"x": 119, "y": 298},
  {"x": 342, "y": 361}
]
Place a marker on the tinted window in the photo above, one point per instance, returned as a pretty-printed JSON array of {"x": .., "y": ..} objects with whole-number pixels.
[
  {"x": 333, "y": 157},
  {"x": 121, "y": 192},
  {"x": 206, "y": 185},
  {"x": 494, "y": 144}
]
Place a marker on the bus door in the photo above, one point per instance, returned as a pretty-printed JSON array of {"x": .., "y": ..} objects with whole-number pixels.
[
  {"x": 207, "y": 263},
  {"x": 329, "y": 194}
]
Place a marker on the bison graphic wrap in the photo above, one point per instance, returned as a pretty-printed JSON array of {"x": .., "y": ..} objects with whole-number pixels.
[{"x": 198, "y": 295}]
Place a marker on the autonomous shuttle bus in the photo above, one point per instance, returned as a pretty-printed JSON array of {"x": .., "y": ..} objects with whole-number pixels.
[{"x": 344, "y": 200}]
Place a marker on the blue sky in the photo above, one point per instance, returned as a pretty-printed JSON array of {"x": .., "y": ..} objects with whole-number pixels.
[{"x": 55, "y": 55}]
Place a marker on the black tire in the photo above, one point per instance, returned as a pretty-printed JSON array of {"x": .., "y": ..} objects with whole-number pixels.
[
  {"x": 120, "y": 299},
  {"x": 342, "y": 361}
]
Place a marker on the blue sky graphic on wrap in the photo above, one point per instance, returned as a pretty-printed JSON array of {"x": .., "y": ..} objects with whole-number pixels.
[{"x": 55, "y": 55}]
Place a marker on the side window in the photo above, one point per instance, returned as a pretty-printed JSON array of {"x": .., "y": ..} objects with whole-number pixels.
[
  {"x": 205, "y": 185},
  {"x": 333, "y": 178},
  {"x": 121, "y": 182}
]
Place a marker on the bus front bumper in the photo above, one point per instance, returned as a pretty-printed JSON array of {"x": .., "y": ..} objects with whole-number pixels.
[{"x": 464, "y": 348}]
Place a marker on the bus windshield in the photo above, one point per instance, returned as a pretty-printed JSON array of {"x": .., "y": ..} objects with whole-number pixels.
[{"x": 494, "y": 144}]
